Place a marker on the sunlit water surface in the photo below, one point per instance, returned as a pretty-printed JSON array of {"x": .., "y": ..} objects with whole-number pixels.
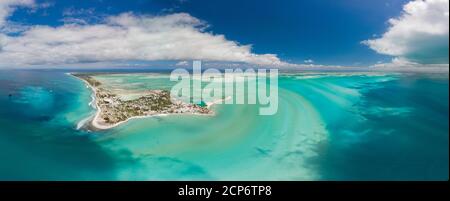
[{"x": 329, "y": 126}]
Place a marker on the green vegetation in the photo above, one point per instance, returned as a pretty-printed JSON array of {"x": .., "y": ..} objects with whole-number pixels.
[{"x": 114, "y": 110}]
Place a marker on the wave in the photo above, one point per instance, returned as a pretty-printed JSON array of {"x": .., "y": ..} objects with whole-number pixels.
[{"x": 83, "y": 122}]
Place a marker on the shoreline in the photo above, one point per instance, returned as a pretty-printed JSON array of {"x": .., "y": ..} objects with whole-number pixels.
[{"x": 93, "y": 120}]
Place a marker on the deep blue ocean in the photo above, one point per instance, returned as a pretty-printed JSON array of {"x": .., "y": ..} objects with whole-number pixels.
[{"x": 386, "y": 127}]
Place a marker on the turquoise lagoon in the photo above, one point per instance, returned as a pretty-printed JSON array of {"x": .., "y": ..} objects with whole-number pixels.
[{"x": 329, "y": 126}]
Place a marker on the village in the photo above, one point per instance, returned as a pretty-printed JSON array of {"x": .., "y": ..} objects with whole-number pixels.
[{"x": 113, "y": 110}]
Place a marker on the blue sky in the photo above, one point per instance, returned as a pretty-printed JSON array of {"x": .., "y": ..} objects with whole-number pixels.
[{"x": 325, "y": 32}]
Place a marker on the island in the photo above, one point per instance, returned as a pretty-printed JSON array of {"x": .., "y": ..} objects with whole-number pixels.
[{"x": 113, "y": 111}]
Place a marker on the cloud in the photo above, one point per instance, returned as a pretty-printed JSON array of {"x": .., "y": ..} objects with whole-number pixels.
[
  {"x": 125, "y": 37},
  {"x": 7, "y": 7},
  {"x": 308, "y": 61},
  {"x": 419, "y": 35},
  {"x": 85, "y": 16},
  {"x": 77, "y": 12},
  {"x": 403, "y": 65},
  {"x": 182, "y": 63}
]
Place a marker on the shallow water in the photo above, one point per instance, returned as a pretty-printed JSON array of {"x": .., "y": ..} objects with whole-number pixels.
[{"x": 329, "y": 126}]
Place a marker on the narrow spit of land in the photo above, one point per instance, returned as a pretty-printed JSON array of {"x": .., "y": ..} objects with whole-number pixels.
[{"x": 113, "y": 111}]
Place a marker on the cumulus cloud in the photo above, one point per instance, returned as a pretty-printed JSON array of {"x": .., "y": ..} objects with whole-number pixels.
[
  {"x": 125, "y": 37},
  {"x": 182, "y": 63},
  {"x": 419, "y": 35},
  {"x": 8, "y": 6},
  {"x": 403, "y": 65}
]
